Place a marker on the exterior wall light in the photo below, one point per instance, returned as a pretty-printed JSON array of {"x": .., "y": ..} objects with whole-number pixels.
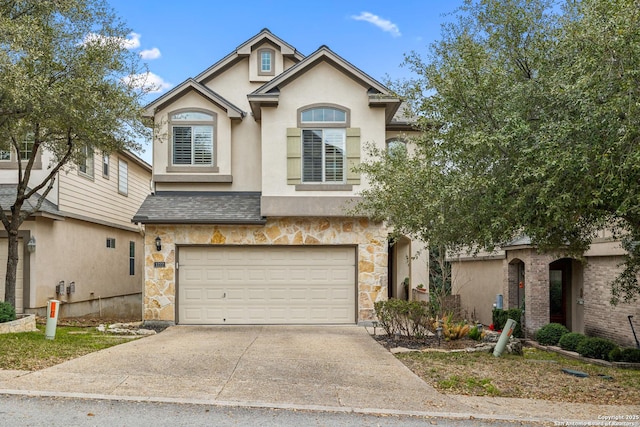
[
  {"x": 158, "y": 244},
  {"x": 31, "y": 245}
]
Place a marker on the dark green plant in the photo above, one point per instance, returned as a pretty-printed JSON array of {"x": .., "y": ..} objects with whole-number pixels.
[
  {"x": 500, "y": 318},
  {"x": 596, "y": 348},
  {"x": 7, "y": 312},
  {"x": 551, "y": 333},
  {"x": 404, "y": 318},
  {"x": 571, "y": 341},
  {"x": 628, "y": 355},
  {"x": 475, "y": 334}
]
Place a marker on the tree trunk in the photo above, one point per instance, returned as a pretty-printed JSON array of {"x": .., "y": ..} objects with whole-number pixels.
[{"x": 12, "y": 267}]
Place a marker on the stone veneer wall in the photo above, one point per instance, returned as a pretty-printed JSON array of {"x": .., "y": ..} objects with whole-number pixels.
[{"x": 371, "y": 239}]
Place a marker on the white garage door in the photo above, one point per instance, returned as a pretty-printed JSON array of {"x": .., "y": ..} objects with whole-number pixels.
[
  {"x": 266, "y": 285},
  {"x": 19, "y": 274}
]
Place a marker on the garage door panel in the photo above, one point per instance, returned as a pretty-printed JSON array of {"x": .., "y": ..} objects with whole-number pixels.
[{"x": 267, "y": 284}]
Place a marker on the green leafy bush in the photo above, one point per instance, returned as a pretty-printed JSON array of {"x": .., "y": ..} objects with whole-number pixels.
[
  {"x": 571, "y": 341},
  {"x": 596, "y": 348},
  {"x": 7, "y": 312},
  {"x": 405, "y": 318},
  {"x": 629, "y": 355},
  {"x": 500, "y": 317},
  {"x": 475, "y": 334},
  {"x": 551, "y": 333}
]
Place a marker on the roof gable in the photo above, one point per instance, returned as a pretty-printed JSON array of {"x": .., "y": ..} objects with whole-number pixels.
[
  {"x": 233, "y": 112},
  {"x": 379, "y": 95},
  {"x": 244, "y": 50}
]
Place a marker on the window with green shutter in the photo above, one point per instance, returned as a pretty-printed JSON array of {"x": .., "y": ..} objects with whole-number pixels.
[{"x": 324, "y": 149}]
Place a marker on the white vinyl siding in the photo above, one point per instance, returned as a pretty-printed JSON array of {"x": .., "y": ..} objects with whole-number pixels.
[{"x": 267, "y": 285}]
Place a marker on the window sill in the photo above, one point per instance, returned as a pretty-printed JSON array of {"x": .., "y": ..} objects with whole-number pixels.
[
  {"x": 192, "y": 178},
  {"x": 194, "y": 169},
  {"x": 324, "y": 187}
]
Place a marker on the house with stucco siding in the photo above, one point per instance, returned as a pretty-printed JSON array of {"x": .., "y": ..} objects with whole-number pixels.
[
  {"x": 80, "y": 247},
  {"x": 253, "y": 180}
]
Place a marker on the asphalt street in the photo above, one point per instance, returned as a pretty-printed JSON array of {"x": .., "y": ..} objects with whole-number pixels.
[{"x": 19, "y": 411}]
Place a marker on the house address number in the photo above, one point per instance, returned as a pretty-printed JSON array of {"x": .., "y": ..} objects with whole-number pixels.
[{"x": 159, "y": 264}]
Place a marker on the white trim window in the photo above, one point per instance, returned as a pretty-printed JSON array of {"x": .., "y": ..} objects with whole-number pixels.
[
  {"x": 85, "y": 167},
  {"x": 192, "y": 139},
  {"x": 123, "y": 177},
  {"x": 105, "y": 165},
  {"x": 323, "y": 149}
]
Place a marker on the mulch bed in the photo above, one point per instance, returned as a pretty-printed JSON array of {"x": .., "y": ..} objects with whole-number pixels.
[{"x": 430, "y": 342}]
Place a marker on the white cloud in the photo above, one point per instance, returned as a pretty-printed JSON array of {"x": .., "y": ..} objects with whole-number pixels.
[
  {"x": 150, "y": 53},
  {"x": 131, "y": 42},
  {"x": 383, "y": 24},
  {"x": 148, "y": 81}
]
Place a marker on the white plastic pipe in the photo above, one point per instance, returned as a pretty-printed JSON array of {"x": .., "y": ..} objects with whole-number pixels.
[
  {"x": 53, "y": 309},
  {"x": 504, "y": 337}
]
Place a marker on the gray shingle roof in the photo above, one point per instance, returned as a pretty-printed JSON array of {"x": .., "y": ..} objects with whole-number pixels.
[
  {"x": 8, "y": 197},
  {"x": 173, "y": 207}
]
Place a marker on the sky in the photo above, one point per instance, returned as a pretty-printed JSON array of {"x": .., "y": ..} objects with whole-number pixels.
[{"x": 180, "y": 39}]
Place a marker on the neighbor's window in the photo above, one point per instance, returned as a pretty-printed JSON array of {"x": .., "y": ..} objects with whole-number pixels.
[
  {"x": 323, "y": 148},
  {"x": 193, "y": 138},
  {"x": 111, "y": 242},
  {"x": 132, "y": 258},
  {"x": 86, "y": 164},
  {"x": 265, "y": 62},
  {"x": 26, "y": 147},
  {"x": 123, "y": 177},
  {"x": 5, "y": 156},
  {"x": 105, "y": 165}
]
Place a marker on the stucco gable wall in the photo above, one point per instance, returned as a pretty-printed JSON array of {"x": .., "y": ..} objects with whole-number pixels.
[{"x": 321, "y": 84}]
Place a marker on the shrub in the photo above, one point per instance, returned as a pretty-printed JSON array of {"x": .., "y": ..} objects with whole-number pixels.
[
  {"x": 406, "y": 318},
  {"x": 475, "y": 334},
  {"x": 571, "y": 341},
  {"x": 500, "y": 318},
  {"x": 615, "y": 355},
  {"x": 551, "y": 333},
  {"x": 596, "y": 348},
  {"x": 630, "y": 355},
  {"x": 7, "y": 312}
]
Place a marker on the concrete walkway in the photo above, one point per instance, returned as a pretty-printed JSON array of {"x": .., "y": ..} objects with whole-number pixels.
[{"x": 302, "y": 367}]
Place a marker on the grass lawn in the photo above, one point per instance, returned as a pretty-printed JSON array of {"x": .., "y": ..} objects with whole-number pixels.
[
  {"x": 535, "y": 375},
  {"x": 30, "y": 351}
]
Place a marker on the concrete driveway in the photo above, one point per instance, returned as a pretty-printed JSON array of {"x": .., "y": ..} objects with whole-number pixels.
[{"x": 324, "y": 367}]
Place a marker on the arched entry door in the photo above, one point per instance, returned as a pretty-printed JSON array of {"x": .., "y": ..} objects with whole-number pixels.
[{"x": 559, "y": 288}]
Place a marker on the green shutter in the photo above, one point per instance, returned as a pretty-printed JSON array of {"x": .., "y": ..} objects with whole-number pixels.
[
  {"x": 294, "y": 156},
  {"x": 353, "y": 155}
]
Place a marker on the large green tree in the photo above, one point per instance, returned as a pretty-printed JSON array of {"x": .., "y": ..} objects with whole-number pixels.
[
  {"x": 529, "y": 119},
  {"x": 65, "y": 86}
]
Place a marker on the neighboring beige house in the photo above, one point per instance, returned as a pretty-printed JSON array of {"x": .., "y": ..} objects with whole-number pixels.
[
  {"x": 551, "y": 288},
  {"x": 252, "y": 180},
  {"x": 83, "y": 236}
]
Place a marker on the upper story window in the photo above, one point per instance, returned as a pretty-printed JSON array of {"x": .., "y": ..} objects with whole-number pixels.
[
  {"x": 323, "y": 144},
  {"x": 265, "y": 62},
  {"x": 105, "y": 165},
  {"x": 193, "y": 141},
  {"x": 85, "y": 166},
  {"x": 25, "y": 149},
  {"x": 123, "y": 177}
]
